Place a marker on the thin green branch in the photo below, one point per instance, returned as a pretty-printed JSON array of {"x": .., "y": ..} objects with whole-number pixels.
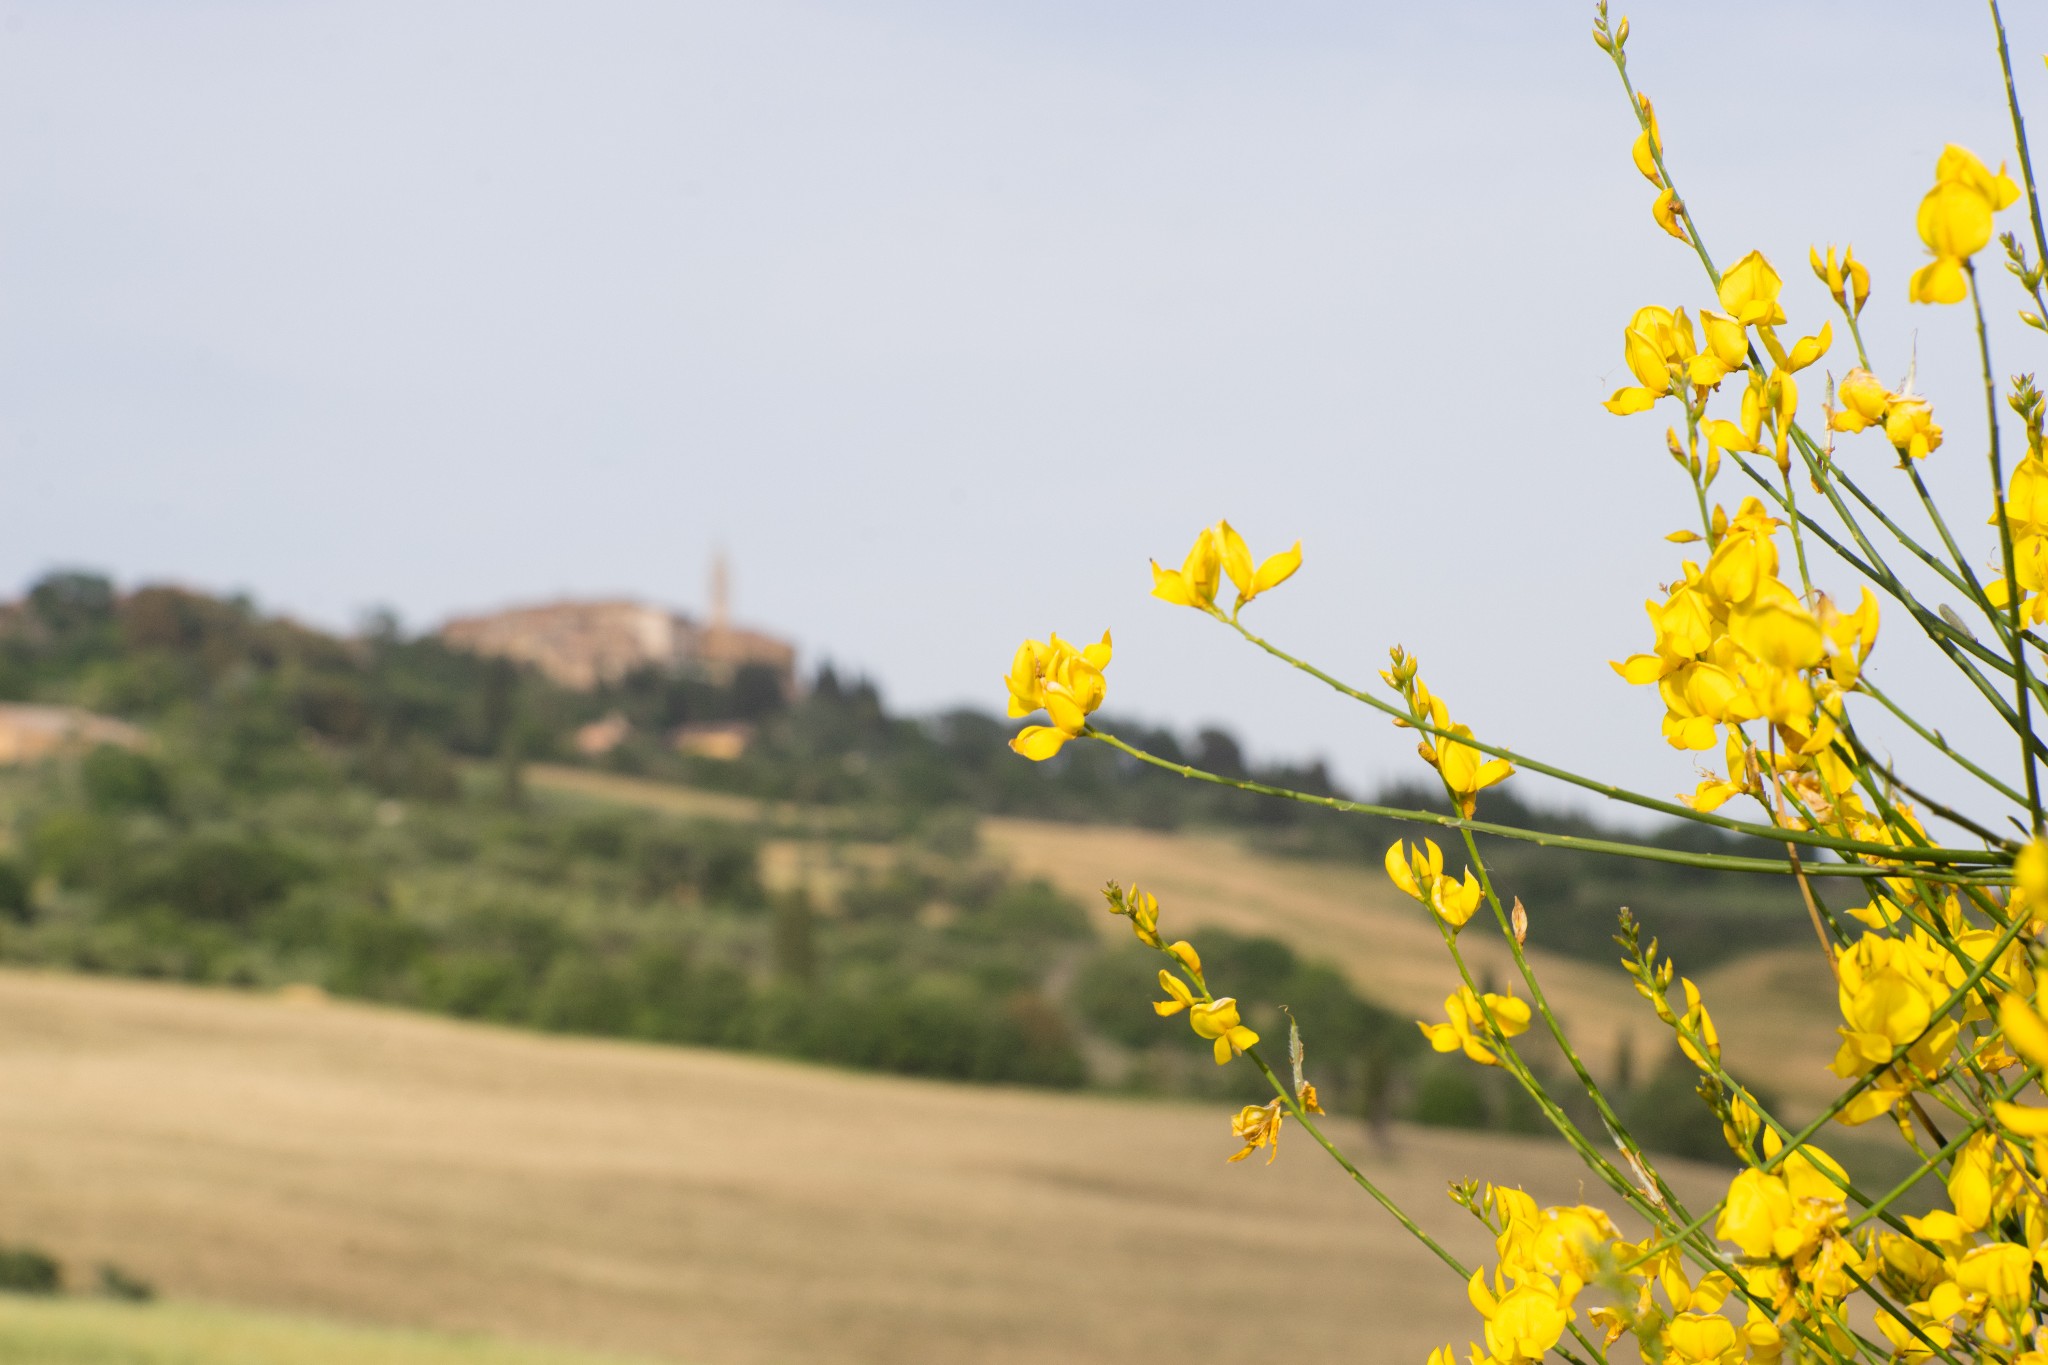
[
  {"x": 2022, "y": 672},
  {"x": 1612, "y": 792},
  {"x": 1716, "y": 862}
]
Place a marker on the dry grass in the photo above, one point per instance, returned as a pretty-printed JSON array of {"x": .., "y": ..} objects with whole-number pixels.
[
  {"x": 690, "y": 802},
  {"x": 355, "y": 1162},
  {"x": 89, "y": 1332}
]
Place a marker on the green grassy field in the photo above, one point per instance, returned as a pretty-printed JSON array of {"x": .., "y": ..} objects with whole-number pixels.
[{"x": 99, "y": 1332}]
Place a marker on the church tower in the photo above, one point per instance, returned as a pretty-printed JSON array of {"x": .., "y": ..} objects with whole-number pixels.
[{"x": 721, "y": 594}]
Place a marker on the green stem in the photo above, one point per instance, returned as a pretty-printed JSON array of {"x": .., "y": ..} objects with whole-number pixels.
[
  {"x": 2023, "y": 700},
  {"x": 1933, "y": 738},
  {"x": 1969, "y": 581},
  {"x": 1358, "y": 1177},
  {"x": 1720, "y": 862},
  {"x": 2019, "y": 136}
]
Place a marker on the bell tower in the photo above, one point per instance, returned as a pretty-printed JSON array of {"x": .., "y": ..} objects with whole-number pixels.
[{"x": 721, "y": 594}]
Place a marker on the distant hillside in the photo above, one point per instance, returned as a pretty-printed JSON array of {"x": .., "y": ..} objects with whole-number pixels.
[{"x": 396, "y": 713}]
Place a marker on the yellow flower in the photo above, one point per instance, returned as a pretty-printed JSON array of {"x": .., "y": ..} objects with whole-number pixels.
[
  {"x": 1217, "y": 1021},
  {"x": 1179, "y": 997},
  {"x": 1907, "y": 1347},
  {"x": 1702, "y": 1339},
  {"x": 1523, "y": 1323},
  {"x": 1954, "y": 221},
  {"x": 1847, "y": 273},
  {"x": 1864, "y": 401},
  {"x": 1786, "y": 1216},
  {"x": 1756, "y": 1207},
  {"x": 2026, "y": 500},
  {"x": 1195, "y": 582},
  {"x": 1747, "y": 556},
  {"x": 1655, "y": 343},
  {"x": 1467, "y": 1028},
  {"x": 1067, "y": 683},
  {"x": 1749, "y": 292},
  {"x": 1256, "y": 1126},
  {"x": 1772, "y": 400},
  {"x": 1726, "y": 344},
  {"x": 1909, "y": 426},
  {"x": 1804, "y": 351},
  {"x": 1218, "y": 550},
  {"x": 1466, "y": 771},
  {"x": 1649, "y": 144},
  {"x": 2030, "y": 875},
  {"x": 2026, "y": 1033},
  {"x": 1851, "y": 635},
  {"x": 1419, "y": 872},
  {"x": 1666, "y": 210},
  {"x": 1416, "y": 868},
  {"x": 2000, "y": 1274},
  {"x": 1890, "y": 988},
  {"x": 1237, "y": 562}
]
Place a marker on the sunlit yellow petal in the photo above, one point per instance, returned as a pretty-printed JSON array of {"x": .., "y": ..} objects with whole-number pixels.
[
  {"x": 1038, "y": 742},
  {"x": 1277, "y": 569}
]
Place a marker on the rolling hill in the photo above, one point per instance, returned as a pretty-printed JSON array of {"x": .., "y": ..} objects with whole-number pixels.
[{"x": 361, "y": 1163}]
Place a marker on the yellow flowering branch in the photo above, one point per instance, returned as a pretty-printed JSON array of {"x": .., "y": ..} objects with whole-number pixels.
[
  {"x": 1933, "y": 1000},
  {"x": 1609, "y": 790}
]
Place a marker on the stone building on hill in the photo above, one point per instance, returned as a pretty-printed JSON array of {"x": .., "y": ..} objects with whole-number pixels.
[
  {"x": 582, "y": 645},
  {"x": 29, "y": 734}
]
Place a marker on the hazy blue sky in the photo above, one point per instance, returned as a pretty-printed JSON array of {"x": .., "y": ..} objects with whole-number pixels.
[{"x": 941, "y": 318}]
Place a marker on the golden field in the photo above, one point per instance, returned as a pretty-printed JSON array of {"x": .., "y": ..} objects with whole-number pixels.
[{"x": 353, "y": 1162}]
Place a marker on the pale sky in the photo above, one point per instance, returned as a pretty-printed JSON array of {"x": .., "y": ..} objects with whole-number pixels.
[{"x": 942, "y": 318}]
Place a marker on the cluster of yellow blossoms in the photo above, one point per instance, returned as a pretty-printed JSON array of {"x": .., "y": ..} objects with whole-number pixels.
[
  {"x": 1066, "y": 683},
  {"x": 1668, "y": 361},
  {"x": 1734, "y": 644},
  {"x": 1932, "y": 993},
  {"x": 1936, "y": 991}
]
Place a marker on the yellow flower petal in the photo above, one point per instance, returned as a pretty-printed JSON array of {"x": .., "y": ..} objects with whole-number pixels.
[
  {"x": 1277, "y": 569},
  {"x": 1939, "y": 281},
  {"x": 1038, "y": 742},
  {"x": 2021, "y": 1120},
  {"x": 1626, "y": 401},
  {"x": 2025, "y": 1031}
]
